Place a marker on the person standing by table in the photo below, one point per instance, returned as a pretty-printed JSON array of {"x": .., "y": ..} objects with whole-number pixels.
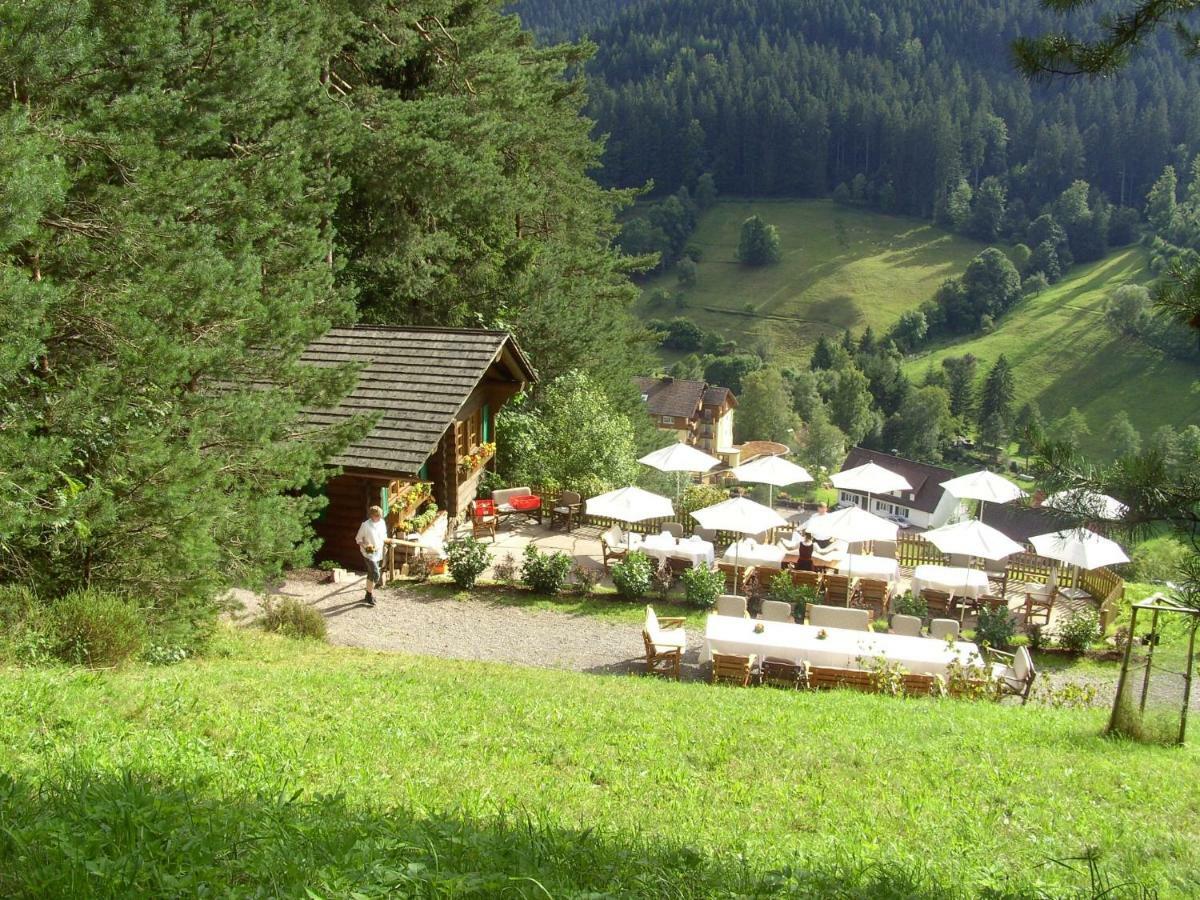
[{"x": 371, "y": 538}]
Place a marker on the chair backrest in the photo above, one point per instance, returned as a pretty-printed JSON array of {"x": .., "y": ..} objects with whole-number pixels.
[
  {"x": 996, "y": 567},
  {"x": 806, "y": 579},
  {"x": 652, "y": 627},
  {"x": 673, "y": 528},
  {"x": 936, "y": 602},
  {"x": 907, "y": 625},
  {"x": 839, "y": 617},
  {"x": 1022, "y": 664},
  {"x": 943, "y": 628},
  {"x": 781, "y": 673},
  {"x": 731, "y": 667},
  {"x": 776, "y": 611},
  {"x": 873, "y": 590},
  {"x": 837, "y": 587},
  {"x": 615, "y": 536},
  {"x": 731, "y": 605},
  {"x": 706, "y": 534},
  {"x": 885, "y": 549},
  {"x": 569, "y": 498},
  {"x": 500, "y": 496}
]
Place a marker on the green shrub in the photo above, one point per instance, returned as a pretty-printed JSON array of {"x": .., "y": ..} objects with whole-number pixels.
[
  {"x": 910, "y": 604},
  {"x": 1157, "y": 559},
  {"x": 328, "y": 565},
  {"x": 661, "y": 579},
  {"x": 632, "y": 575},
  {"x": 293, "y": 619},
  {"x": 1079, "y": 630},
  {"x": 545, "y": 573},
  {"x": 93, "y": 628},
  {"x": 17, "y": 605},
  {"x": 996, "y": 627},
  {"x": 702, "y": 586},
  {"x": 1036, "y": 635},
  {"x": 506, "y": 570},
  {"x": 586, "y": 578},
  {"x": 795, "y": 595},
  {"x": 466, "y": 558},
  {"x": 184, "y": 624}
]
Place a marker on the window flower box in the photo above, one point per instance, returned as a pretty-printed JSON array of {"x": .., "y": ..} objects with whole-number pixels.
[{"x": 476, "y": 459}]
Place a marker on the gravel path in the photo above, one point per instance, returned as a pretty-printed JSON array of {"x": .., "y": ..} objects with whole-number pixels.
[{"x": 475, "y": 629}]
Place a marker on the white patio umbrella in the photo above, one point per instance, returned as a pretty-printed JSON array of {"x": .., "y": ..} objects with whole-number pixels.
[
  {"x": 740, "y": 515},
  {"x": 774, "y": 471},
  {"x": 854, "y": 524},
  {"x": 972, "y": 538},
  {"x": 1095, "y": 504},
  {"x": 1079, "y": 547},
  {"x": 629, "y": 504},
  {"x": 984, "y": 486},
  {"x": 679, "y": 458},
  {"x": 870, "y": 478}
]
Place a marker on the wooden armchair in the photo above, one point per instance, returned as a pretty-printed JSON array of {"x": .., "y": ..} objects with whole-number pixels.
[
  {"x": 1038, "y": 606},
  {"x": 661, "y": 660},
  {"x": 972, "y": 605},
  {"x": 783, "y": 673},
  {"x": 823, "y": 677},
  {"x": 938, "y": 603},
  {"x": 483, "y": 518},
  {"x": 807, "y": 579},
  {"x": 735, "y": 576},
  {"x": 1014, "y": 672},
  {"x": 837, "y": 590},
  {"x": 733, "y": 669},
  {"x": 731, "y": 605},
  {"x": 615, "y": 544},
  {"x": 566, "y": 509}
]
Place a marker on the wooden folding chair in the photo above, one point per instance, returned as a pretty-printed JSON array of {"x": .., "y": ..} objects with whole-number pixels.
[
  {"x": 837, "y": 590},
  {"x": 1038, "y": 606},
  {"x": 873, "y": 595},
  {"x": 729, "y": 668},
  {"x": 824, "y": 677},
  {"x": 783, "y": 673},
  {"x": 661, "y": 660},
  {"x": 483, "y": 518},
  {"x": 810, "y": 579},
  {"x": 938, "y": 603}
]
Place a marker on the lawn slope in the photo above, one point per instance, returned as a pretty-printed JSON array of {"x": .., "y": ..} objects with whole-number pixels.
[
  {"x": 1064, "y": 355},
  {"x": 284, "y": 768},
  {"x": 842, "y": 268}
]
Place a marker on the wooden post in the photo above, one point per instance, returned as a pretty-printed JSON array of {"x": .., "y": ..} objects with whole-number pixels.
[
  {"x": 1149, "y": 659},
  {"x": 1187, "y": 678},
  {"x": 1112, "y": 719}
]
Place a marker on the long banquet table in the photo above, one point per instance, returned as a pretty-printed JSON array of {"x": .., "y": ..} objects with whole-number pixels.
[
  {"x": 695, "y": 550},
  {"x": 841, "y": 648},
  {"x": 751, "y": 553},
  {"x": 858, "y": 566},
  {"x": 955, "y": 580}
]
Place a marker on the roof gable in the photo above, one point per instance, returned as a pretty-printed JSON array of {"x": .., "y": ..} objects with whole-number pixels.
[
  {"x": 416, "y": 379},
  {"x": 672, "y": 396},
  {"x": 925, "y": 478}
]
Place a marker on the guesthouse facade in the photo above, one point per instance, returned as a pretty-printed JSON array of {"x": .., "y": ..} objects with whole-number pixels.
[
  {"x": 693, "y": 412},
  {"x": 435, "y": 393},
  {"x": 927, "y": 505}
]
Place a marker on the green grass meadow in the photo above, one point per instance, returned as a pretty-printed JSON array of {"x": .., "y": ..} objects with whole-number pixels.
[
  {"x": 296, "y": 769},
  {"x": 1064, "y": 354},
  {"x": 842, "y": 268}
]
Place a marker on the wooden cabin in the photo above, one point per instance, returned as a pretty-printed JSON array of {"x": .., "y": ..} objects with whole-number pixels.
[{"x": 436, "y": 392}]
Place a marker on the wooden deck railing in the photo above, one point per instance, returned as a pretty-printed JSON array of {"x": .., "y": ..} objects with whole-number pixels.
[
  {"x": 1108, "y": 587},
  {"x": 1029, "y": 568},
  {"x": 912, "y": 551}
]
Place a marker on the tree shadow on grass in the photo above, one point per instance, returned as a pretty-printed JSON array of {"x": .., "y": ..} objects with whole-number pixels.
[{"x": 133, "y": 834}]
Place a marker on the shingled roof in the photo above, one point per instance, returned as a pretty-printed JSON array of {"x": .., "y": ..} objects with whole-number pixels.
[
  {"x": 417, "y": 379},
  {"x": 672, "y": 396},
  {"x": 926, "y": 479}
]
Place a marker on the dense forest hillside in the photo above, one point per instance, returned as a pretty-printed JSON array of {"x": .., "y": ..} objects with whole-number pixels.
[
  {"x": 795, "y": 97},
  {"x": 564, "y": 20}
]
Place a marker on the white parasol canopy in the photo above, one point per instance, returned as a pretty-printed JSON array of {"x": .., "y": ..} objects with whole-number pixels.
[
  {"x": 983, "y": 485},
  {"x": 1079, "y": 547},
  {"x": 771, "y": 470},
  {"x": 854, "y": 524},
  {"x": 870, "y": 478},
  {"x": 1081, "y": 500},
  {"x": 629, "y": 504},
  {"x": 679, "y": 458},
  {"x": 972, "y": 538},
  {"x": 741, "y": 515}
]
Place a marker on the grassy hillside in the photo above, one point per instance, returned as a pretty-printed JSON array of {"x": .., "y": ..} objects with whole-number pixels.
[
  {"x": 842, "y": 268},
  {"x": 283, "y": 769},
  {"x": 1065, "y": 355}
]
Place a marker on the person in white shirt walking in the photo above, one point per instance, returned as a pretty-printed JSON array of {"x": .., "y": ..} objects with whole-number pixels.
[{"x": 371, "y": 538}]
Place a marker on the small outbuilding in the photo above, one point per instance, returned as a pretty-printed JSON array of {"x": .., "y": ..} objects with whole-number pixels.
[{"x": 436, "y": 392}]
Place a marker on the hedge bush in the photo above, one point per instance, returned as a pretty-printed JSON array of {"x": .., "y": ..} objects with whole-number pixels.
[
  {"x": 94, "y": 628},
  {"x": 467, "y": 558},
  {"x": 545, "y": 573},
  {"x": 702, "y": 586},
  {"x": 632, "y": 575},
  {"x": 294, "y": 619}
]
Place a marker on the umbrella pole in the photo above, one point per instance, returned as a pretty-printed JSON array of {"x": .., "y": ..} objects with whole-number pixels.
[{"x": 737, "y": 570}]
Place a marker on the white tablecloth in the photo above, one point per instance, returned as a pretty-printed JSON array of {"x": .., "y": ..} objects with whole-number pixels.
[
  {"x": 879, "y": 567},
  {"x": 747, "y": 552},
  {"x": 664, "y": 546},
  {"x": 841, "y": 649},
  {"x": 956, "y": 581}
]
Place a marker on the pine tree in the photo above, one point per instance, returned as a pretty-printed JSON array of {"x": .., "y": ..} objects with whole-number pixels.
[
  {"x": 759, "y": 243},
  {"x": 995, "y": 404},
  {"x": 1123, "y": 439}
]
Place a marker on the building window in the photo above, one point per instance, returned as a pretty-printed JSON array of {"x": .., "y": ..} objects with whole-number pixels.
[
  {"x": 668, "y": 420},
  {"x": 470, "y": 433}
]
